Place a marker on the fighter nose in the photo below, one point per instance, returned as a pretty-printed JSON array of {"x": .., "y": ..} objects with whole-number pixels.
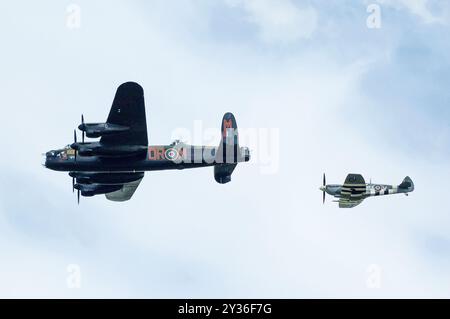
[{"x": 44, "y": 163}]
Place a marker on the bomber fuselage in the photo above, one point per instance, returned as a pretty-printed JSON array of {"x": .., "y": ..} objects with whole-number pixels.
[{"x": 157, "y": 157}]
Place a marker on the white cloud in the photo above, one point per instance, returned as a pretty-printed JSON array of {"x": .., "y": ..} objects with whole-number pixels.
[
  {"x": 279, "y": 21},
  {"x": 421, "y": 9}
]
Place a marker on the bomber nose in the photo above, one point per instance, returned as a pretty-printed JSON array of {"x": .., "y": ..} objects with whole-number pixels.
[{"x": 47, "y": 160}]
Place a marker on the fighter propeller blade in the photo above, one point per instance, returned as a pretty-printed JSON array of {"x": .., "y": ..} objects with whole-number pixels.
[
  {"x": 82, "y": 123},
  {"x": 324, "y": 186},
  {"x": 73, "y": 184},
  {"x": 78, "y": 196}
]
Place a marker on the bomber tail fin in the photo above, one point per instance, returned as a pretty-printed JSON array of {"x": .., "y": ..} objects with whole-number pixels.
[
  {"x": 228, "y": 150},
  {"x": 229, "y": 153}
]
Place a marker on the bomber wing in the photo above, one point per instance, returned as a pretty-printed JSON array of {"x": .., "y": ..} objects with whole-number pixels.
[
  {"x": 128, "y": 109},
  {"x": 125, "y": 193}
]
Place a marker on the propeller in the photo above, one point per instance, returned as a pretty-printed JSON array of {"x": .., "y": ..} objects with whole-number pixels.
[
  {"x": 78, "y": 190},
  {"x": 75, "y": 141},
  {"x": 82, "y": 123},
  {"x": 324, "y": 187}
]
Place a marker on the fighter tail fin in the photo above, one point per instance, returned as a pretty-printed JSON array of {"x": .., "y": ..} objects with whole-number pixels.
[{"x": 407, "y": 185}]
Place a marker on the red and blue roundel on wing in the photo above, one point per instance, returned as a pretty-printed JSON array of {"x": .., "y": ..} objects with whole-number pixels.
[{"x": 171, "y": 154}]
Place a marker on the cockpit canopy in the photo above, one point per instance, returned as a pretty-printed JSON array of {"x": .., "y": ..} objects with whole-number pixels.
[{"x": 62, "y": 153}]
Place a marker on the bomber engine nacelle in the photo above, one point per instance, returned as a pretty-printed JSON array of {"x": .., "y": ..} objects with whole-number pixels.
[
  {"x": 105, "y": 178},
  {"x": 97, "y": 149},
  {"x": 94, "y": 130},
  {"x": 89, "y": 190}
]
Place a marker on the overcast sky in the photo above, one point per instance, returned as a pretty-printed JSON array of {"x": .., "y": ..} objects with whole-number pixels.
[{"x": 335, "y": 94}]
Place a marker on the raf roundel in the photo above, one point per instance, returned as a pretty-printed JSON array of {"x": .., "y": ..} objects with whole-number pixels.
[{"x": 171, "y": 154}]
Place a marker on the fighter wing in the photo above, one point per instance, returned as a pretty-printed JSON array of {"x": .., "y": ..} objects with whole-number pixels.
[
  {"x": 354, "y": 186},
  {"x": 128, "y": 109},
  {"x": 125, "y": 193},
  {"x": 349, "y": 203}
]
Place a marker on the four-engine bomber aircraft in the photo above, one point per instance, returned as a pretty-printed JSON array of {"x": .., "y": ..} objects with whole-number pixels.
[
  {"x": 355, "y": 190},
  {"x": 115, "y": 165}
]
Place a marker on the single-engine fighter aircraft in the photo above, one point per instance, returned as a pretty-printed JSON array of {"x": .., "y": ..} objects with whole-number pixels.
[
  {"x": 115, "y": 164},
  {"x": 355, "y": 190}
]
